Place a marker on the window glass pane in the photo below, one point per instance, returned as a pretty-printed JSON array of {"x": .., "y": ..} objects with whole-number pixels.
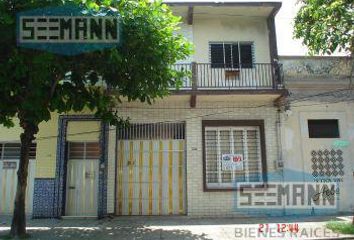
[
  {"x": 235, "y": 56},
  {"x": 92, "y": 150},
  {"x": 323, "y": 128},
  {"x": 211, "y": 156},
  {"x": 84, "y": 150},
  {"x": 76, "y": 150},
  {"x": 253, "y": 156},
  {"x": 32, "y": 153},
  {"x": 228, "y": 56},
  {"x": 226, "y": 175},
  {"x": 217, "y": 55},
  {"x": 239, "y": 149},
  {"x": 12, "y": 150},
  {"x": 246, "y": 55}
]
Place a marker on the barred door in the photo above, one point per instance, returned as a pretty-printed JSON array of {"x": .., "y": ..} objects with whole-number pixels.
[{"x": 151, "y": 170}]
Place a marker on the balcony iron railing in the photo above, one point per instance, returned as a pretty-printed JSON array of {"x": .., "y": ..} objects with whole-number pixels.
[{"x": 204, "y": 76}]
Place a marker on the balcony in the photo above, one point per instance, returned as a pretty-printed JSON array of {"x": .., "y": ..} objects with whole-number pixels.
[{"x": 206, "y": 78}]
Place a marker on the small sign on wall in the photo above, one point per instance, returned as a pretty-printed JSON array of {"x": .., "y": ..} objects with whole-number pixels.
[
  {"x": 232, "y": 162},
  {"x": 9, "y": 165},
  {"x": 341, "y": 143}
]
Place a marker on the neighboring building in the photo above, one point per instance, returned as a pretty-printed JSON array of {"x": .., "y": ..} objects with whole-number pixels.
[
  {"x": 169, "y": 161},
  {"x": 317, "y": 127}
]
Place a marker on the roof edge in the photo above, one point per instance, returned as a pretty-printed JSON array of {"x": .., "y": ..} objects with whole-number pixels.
[
  {"x": 313, "y": 57},
  {"x": 276, "y": 5}
]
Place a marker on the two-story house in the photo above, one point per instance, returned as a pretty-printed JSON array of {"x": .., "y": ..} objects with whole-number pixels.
[{"x": 169, "y": 161}]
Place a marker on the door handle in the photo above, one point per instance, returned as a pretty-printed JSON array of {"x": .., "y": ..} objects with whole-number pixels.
[
  {"x": 89, "y": 175},
  {"x": 71, "y": 187}
]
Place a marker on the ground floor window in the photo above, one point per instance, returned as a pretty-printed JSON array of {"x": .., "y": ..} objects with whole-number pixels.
[
  {"x": 11, "y": 151},
  {"x": 323, "y": 128},
  {"x": 233, "y": 152}
]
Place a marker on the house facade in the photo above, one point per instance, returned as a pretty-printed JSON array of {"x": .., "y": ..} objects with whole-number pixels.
[{"x": 170, "y": 160}]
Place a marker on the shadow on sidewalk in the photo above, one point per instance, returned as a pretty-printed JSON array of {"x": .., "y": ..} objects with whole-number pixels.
[{"x": 97, "y": 231}]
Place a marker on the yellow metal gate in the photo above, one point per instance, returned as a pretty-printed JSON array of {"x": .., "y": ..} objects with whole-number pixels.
[{"x": 151, "y": 174}]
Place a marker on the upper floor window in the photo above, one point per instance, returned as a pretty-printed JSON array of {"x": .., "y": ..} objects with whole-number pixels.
[{"x": 231, "y": 55}]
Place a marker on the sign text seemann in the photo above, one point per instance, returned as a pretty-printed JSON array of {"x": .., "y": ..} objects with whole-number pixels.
[
  {"x": 296, "y": 195},
  {"x": 68, "y": 29}
]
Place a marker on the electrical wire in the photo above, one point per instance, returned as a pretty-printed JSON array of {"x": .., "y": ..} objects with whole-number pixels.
[
  {"x": 216, "y": 113},
  {"x": 241, "y": 107}
]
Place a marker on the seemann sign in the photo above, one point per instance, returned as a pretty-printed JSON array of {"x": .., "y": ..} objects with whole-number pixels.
[{"x": 68, "y": 30}]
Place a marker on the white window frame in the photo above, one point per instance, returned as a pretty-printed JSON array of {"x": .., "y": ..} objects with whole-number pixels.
[{"x": 231, "y": 129}]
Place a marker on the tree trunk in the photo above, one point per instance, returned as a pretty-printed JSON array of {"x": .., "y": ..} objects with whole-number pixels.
[
  {"x": 18, "y": 226},
  {"x": 351, "y": 86}
]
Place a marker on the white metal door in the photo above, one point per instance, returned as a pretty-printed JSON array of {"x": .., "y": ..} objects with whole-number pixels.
[
  {"x": 8, "y": 184},
  {"x": 81, "y": 187},
  {"x": 151, "y": 177},
  {"x": 325, "y": 162}
]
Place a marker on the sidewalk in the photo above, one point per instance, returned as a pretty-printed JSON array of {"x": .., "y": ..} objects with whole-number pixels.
[{"x": 172, "y": 228}]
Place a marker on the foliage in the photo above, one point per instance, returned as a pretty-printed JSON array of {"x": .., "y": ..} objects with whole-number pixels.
[
  {"x": 35, "y": 83},
  {"x": 341, "y": 227},
  {"x": 326, "y": 25}
]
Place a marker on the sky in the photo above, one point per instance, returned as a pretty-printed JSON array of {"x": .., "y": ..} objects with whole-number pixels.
[
  {"x": 287, "y": 45},
  {"x": 284, "y": 21}
]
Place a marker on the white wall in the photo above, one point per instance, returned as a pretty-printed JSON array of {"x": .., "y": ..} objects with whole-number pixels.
[
  {"x": 187, "y": 31},
  {"x": 297, "y": 145}
]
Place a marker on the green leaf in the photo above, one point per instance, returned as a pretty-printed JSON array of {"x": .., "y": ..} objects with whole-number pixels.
[
  {"x": 326, "y": 26},
  {"x": 36, "y": 83}
]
